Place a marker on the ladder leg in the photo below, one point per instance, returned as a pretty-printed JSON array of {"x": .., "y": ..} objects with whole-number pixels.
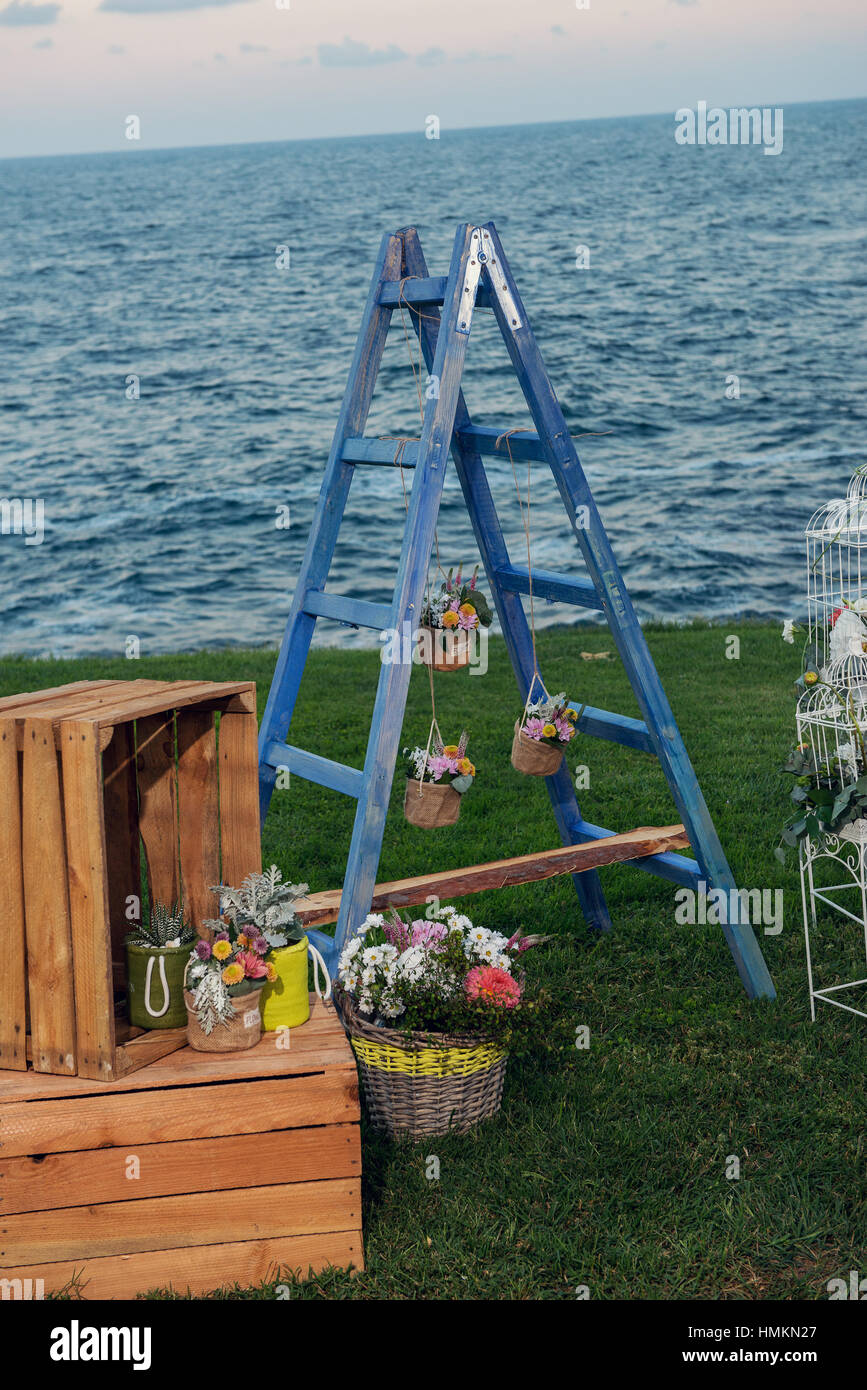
[
  {"x": 492, "y": 548},
  {"x": 327, "y": 518},
  {"x": 424, "y": 502},
  {"x": 627, "y": 634}
]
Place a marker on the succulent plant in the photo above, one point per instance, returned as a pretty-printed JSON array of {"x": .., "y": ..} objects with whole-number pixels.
[{"x": 167, "y": 927}]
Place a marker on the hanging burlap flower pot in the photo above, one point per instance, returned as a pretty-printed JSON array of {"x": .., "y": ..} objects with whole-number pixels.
[
  {"x": 430, "y": 804},
  {"x": 534, "y": 756},
  {"x": 445, "y": 649}
]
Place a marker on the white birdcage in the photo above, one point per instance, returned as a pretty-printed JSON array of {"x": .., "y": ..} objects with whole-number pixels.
[
  {"x": 832, "y": 723},
  {"x": 837, "y": 575}
]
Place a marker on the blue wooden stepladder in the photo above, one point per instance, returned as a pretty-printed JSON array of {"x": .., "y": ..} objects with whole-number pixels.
[{"x": 442, "y": 310}]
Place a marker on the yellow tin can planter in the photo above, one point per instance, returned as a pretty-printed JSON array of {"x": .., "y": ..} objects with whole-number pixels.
[{"x": 286, "y": 1002}]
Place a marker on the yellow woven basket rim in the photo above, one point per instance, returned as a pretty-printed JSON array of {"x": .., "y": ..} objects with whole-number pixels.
[{"x": 427, "y": 1061}]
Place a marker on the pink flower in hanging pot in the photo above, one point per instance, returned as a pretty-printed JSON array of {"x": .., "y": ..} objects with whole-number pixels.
[
  {"x": 534, "y": 728},
  {"x": 437, "y": 766}
]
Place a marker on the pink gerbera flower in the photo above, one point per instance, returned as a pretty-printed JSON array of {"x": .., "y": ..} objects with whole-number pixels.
[
  {"x": 490, "y": 985},
  {"x": 254, "y": 967},
  {"x": 534, "y": 727}
]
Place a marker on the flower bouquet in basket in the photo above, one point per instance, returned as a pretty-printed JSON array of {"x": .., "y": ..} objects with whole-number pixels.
[
  {"x": 448, "y": 621},
  {"x": 436, "y": 781},
  {"x": 432, "y": 1008},
  {"x": 226, "y": 972},
  {"x": 541, "y": 735}
]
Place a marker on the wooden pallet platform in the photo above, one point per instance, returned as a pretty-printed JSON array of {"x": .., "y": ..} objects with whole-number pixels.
[
  {"x": 319, "y": 908},
  {"x": 200, "y": 1171}
]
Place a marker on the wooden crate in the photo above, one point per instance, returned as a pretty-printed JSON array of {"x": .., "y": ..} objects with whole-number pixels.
[
  {"x": 249, "y": 1164},
  {"x": 91, "y": 776}
]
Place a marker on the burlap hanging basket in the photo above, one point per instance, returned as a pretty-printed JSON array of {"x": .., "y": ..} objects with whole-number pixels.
[
  {"x": 424, "y": 1084},
  {"x": 430, "y": 804},
  {"x": 242, "y": 1030},
  {"x": 534, "y": 756},
  {"x": 445, "y": 649}
]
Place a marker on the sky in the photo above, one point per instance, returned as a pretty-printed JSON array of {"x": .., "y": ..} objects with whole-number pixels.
[{"x": 213, "y": 72}]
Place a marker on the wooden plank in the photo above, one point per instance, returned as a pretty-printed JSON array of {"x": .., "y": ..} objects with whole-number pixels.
[
  {"x": 161, "y": 1223},
  {"x": 202, "y": 1268},
  {"x": 319, "y": 1044},
  {"x": 502, "y": 873},
  {"x": 146, "y": 1049},
  {"x": 10, "y": 703},
  {"x": 155, "y": 763},
  {"x": 13, "y": 975},
  {"x": 46, "y": 904},
  {"x": 192, "y": 1165},
  {"x": 240, "y": 835},
  {"x": 88, "y": 898},
  {"x": 198, "y": 814},
  {"x": 112, "y": 1118},
  {"x": 123, "y": 861}
]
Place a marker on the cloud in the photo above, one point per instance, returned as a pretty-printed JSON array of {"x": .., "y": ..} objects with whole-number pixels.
[
  {"x": 44, "y": 43},
  {"x": 115, "y": 48},
  {"x": 430, "y": 57},
  {"x": 162, "y": 6},
  {"x": 558, "y": 31},
  {"x": 18, "y": 14},
  {"x": 253, "y": 48},
  {"x": 352, "y": 54}
]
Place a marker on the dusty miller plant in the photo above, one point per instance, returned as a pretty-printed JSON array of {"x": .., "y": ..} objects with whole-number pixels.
[{"x": 266, "y": 902}]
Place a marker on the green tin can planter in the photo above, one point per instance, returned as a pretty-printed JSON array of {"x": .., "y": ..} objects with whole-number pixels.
[
  {"x": 155, "y": 984},
  {"x": 286, "y": 1002}
]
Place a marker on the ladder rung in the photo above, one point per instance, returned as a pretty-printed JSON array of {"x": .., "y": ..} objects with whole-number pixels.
[
  {"x": 360, "y": 450},
  {"x": 483, "y": 438},
  {"x": 675, "y": 867},
  {"x": 312, "y": 768},
  {"x": 355, "y": 612},
  {"x": 616, "y": 728},
  {"x": 429, "y": 291},
  {"x": 561, "y": 588}
]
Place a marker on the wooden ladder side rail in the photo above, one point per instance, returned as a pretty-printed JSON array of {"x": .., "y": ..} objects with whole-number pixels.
[{"x": 320, "y": 908}]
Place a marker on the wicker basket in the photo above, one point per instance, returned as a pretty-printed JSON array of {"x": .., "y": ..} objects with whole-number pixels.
[
  {"x": 533, "y": 756},
  {"x": 424, "y": 1084},
  {"x": 445, "y": 649},
  {"x": 430, "y": 804}
]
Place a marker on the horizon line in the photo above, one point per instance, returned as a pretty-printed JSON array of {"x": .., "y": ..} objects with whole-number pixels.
[{"x": 385, "y": 134}]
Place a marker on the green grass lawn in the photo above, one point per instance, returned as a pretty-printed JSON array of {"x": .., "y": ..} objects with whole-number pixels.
[{"x": 609, "y": 1170}]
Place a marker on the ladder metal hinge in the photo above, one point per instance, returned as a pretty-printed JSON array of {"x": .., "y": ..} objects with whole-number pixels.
[{"x": 482, "y": 255}]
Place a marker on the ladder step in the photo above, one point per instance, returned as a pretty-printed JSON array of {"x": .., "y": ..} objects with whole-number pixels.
[
  {"x": 354, "y": 612},
  {"x": 429, "y": 291},
  {"x": 483, "y": 438},
  {"x": 616, "y": 728},
  {"x": 561, "y": 588},
  {"x": 360, "y": 450},
  {"x": 312, "y": 768},
  {"x": 609, "y": 848},
  {"x": 675, "y": 867}
]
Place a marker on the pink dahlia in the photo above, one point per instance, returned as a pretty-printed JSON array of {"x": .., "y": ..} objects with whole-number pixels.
[{"x": 492, "y": 986}]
